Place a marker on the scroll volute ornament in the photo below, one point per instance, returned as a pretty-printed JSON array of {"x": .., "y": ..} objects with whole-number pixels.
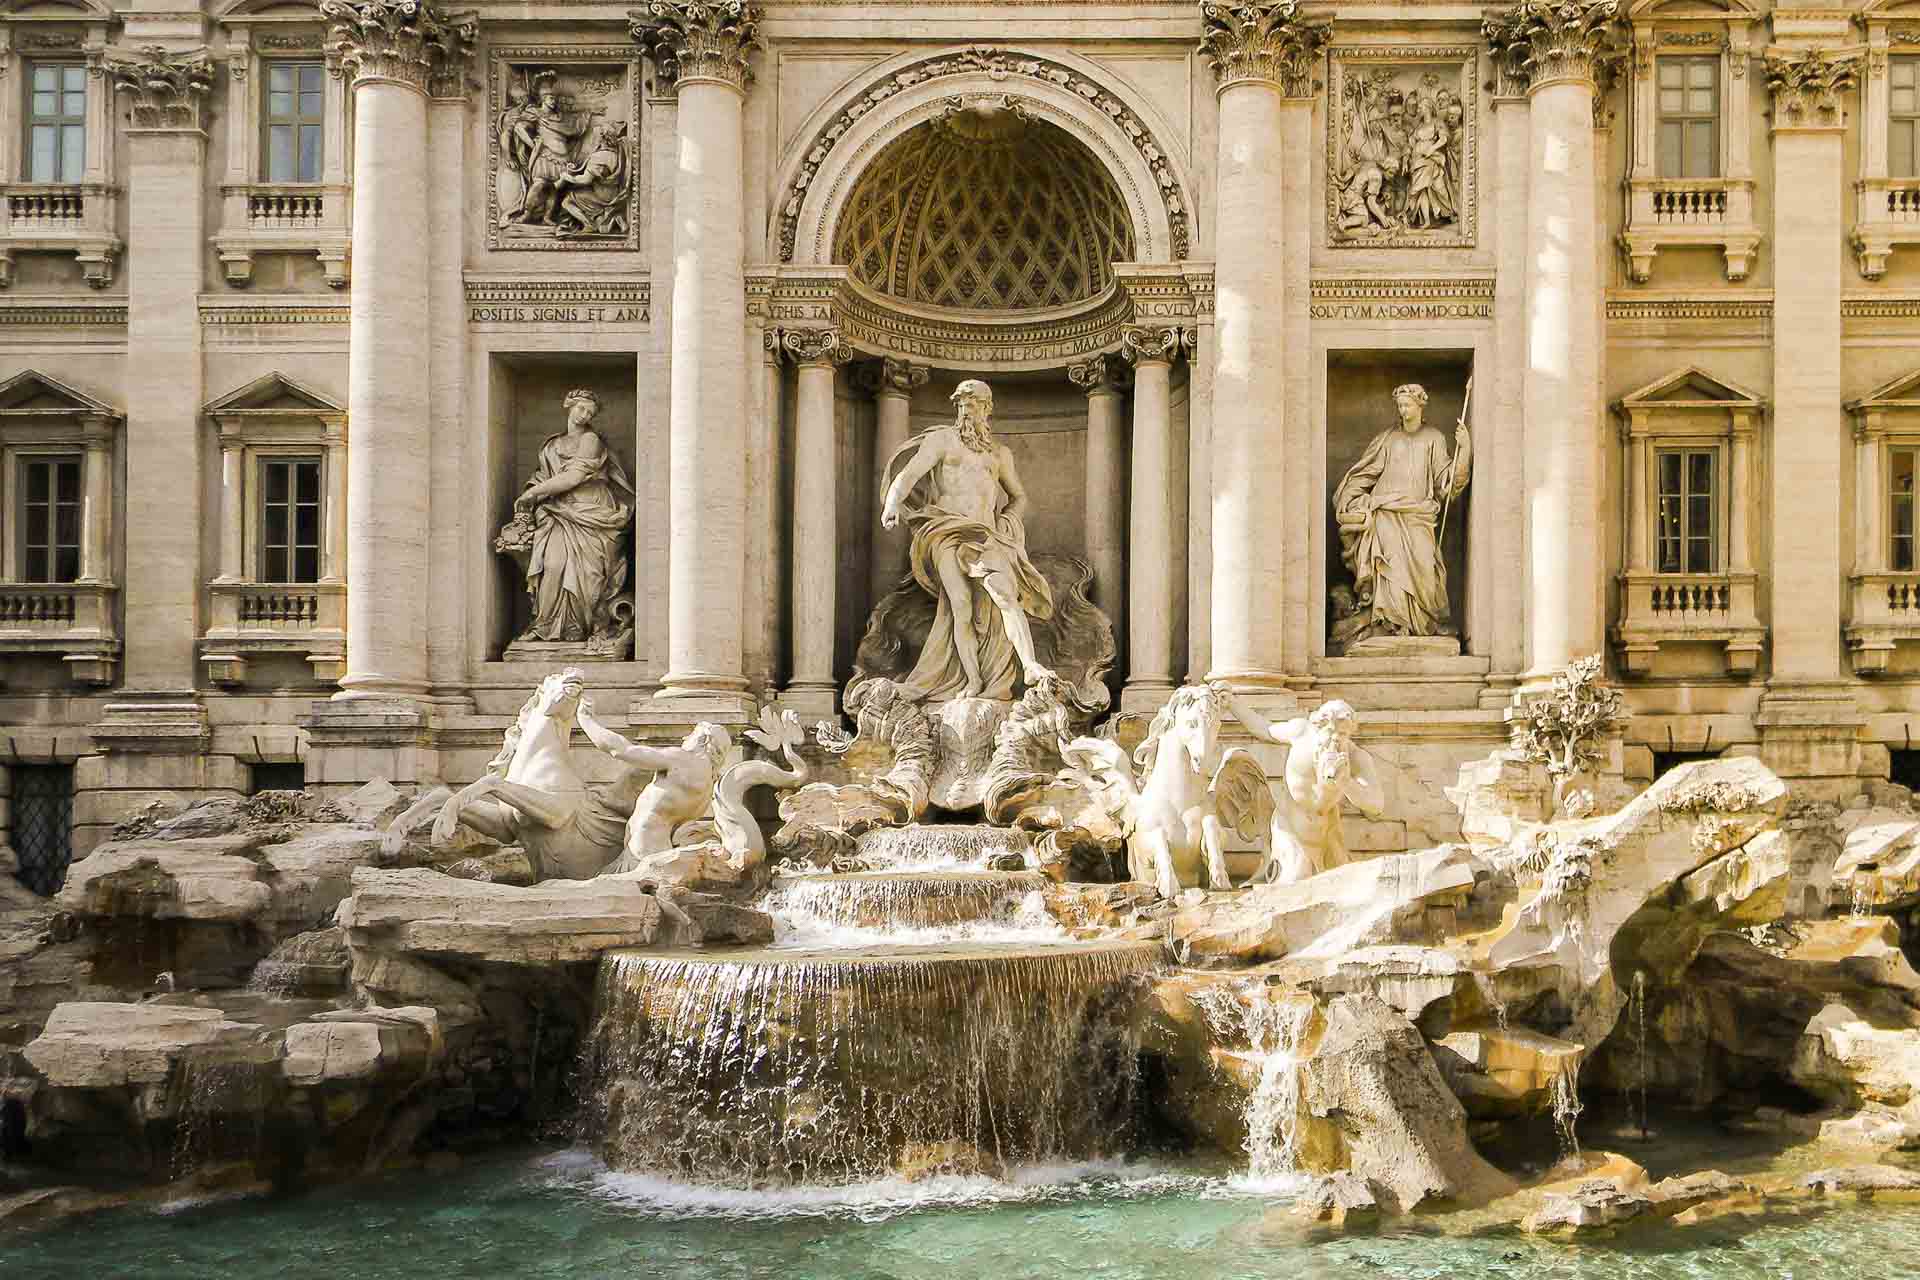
[
  {"x": 1144, "y": 343},
  {"x": 1807, "y": 85},
  {"x": 403, "y": 40},
  {"x": 815, "y": 346},
  {"x": 1263, "y": 41},
  {"x": 698, "y": 39},
  {"x": 168, "y": 88},
  {"x": 1540, "y": 42}
]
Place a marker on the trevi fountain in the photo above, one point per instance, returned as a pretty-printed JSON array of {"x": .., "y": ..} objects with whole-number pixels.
[{"x": 1062, "y": 727}]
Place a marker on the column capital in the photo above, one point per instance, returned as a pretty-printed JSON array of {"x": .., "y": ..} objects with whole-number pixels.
[
  {"x": 168, "y": 87},
  {"x": 698, "y": 40},
  {"x": 1106, "y": 372},
  {"x": 1537, "y": 43},
  {"x": 1154, "y": 344},
  {"x": 889, "y": 376},
  {"x": 815, "y": 346},
  {"x": 1806, "y": 85},
  {"x": 1264, "y": 41},
  {"x": 407, "y": 42}
]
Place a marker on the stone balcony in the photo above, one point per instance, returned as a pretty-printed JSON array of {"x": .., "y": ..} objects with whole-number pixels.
[
  {"x": 254, "y": 618},
  {"x": 1668, "y": 213},
  {"x": 1885, "y": 612},
  {"x": 283, "y": 217},
  {"x": 73, "y": 621},
  {"x": 76, "y": 218},
  {"x": 1663, "y": 609},
  {"x": 1889, "y": 217}
]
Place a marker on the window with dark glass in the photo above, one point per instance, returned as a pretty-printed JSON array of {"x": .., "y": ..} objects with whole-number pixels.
[
  {"x": 1901, "y": 464},
  {"x": 56, "y": 122},
  {"x": 1689, "y": 114},
  {"x": 1903, "y": 117},
  {"x": 294, "y": 121},
  {"x": 290, "y": 520},
  {"x": 1686, "y": 511},
  {"x": 50, "y": 519}
]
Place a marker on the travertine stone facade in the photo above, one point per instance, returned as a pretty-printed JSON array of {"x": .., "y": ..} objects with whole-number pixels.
[{"x": 291, "y": 295}]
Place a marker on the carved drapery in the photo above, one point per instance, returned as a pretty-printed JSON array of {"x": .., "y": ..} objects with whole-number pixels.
[
  {"x": 1807, "y": 85},
  {"x": 168, "y": 88},
  {"x": 1542, "y": 42},
  {"x": 1263, "y": 41},
  {"x": 698, "y": 39},
  {"x": 405, "y": 41}
]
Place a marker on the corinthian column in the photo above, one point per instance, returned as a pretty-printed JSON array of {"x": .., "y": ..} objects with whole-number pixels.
[
  {"x": 1264, "y": 56},
  {"x": 1104, "y": 378},
  {"x": 700, "y": 47},
  {"x": 1556, "y": 47},
  {"x": 391, "y": 49},
  {"x": 893, "y": 383},
  {"x": 816, "y": 518},
  {"x": 1152, "y": 352}
]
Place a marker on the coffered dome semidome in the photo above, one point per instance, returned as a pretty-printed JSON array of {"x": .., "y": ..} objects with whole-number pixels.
[{"x": 985, "y": 208}]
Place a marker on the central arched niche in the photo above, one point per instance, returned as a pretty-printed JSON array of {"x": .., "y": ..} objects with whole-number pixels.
[{"x": 985, "y": 208}]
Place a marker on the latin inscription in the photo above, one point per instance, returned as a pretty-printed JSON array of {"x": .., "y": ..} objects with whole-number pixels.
[
  {"x": 556, "y": 315},
  {"x": 1402, "y": 311}
]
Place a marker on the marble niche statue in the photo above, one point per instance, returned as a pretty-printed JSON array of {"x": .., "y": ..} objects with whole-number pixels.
[
  {"x": 969, "y": 552},
  {"x": 1392, "y": 508},
  {"x": 569, "y": 535}
]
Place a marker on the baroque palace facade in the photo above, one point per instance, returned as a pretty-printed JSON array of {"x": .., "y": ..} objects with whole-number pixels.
[{"x": 294, "y": 302}]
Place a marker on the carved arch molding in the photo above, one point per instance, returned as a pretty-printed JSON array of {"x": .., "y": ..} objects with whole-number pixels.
[{"x": 1008, "y": 72}]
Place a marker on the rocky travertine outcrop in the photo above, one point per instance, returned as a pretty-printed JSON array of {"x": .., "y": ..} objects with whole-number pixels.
[{"x": 99, "y": 1046}]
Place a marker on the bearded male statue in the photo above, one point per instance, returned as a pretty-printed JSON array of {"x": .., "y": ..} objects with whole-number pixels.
[{"x": 969, "y": 552}]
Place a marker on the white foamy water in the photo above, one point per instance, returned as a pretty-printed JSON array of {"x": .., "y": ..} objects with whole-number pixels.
[{"x": 918, "y": 909}]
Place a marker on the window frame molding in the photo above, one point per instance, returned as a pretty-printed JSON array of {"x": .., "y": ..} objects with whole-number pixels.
[
  {"x": 82, "y": 217},
  {"x": 258, "y": 216},
  {"x": 1883, "y": 604},
  {"x": 1691, "y": 212},
  {"x": 1718, "y": 607},
  {"x": 249, "y": 616},
  {"x": 1887, "y": 208},
  {"x": 77, "y": 621}
]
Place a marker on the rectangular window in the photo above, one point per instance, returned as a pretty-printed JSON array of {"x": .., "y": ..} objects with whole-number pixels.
[
  {"x": 1689, "y": 116},
  {"x": 1903, "y": 117},
  {"x": 1687, "y": 532},
  {"x": 50, "y": 519},
  {"x": 290, "y": 520},
  {"x": 294, "y": 117},
  {"x": 56, "y": 121},
  {"x": 1901, "y": 464}
]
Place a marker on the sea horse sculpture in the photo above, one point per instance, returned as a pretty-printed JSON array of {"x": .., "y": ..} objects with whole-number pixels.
[{"x": 1176, "y": 811}]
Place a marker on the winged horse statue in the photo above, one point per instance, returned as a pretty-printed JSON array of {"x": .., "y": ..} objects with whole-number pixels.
[{"x": 1187, "y": 794}]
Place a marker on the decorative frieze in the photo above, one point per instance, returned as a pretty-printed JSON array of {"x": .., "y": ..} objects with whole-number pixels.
[
  {"x": 1003, "y": 68},
  {"x": 1165, "y": 344},
  {"x": 698, "y": 40},
  {"x": 1806, "y": 86},
  {"x": 1263, "y": 41},
  {"x": 562, "y": 302},
  {"x": 168, "y": 88},
  {"x": 1370, "y": 299},
  {"x": 405, "y": 41},
  {"x": 1541, "y": 42},
  {"x": 1401, "y": 147}
]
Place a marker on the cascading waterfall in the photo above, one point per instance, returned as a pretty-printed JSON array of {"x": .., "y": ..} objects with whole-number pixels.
[
  {"x": 1565, "y": 1099},
  {"x": 940, "y": 845},
  {"x": 777, "y": 1067},
  {"x": 874, "y": 907},
  {"x": 1274, "y": 1030},
  {"x": 1640, "y": 1039}
]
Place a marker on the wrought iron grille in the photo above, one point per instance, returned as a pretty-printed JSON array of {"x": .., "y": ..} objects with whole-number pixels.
[{"x": 43, "y": 824}]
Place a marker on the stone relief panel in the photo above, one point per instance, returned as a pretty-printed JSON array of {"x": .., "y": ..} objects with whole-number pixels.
[
  {"x": 563, "y": 164},
  {"x": 1401, "y": 143}
]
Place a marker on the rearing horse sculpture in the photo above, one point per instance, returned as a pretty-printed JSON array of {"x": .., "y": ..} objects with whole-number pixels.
[
  {"x": 1175, "y": 814},
  {"x": 532, "y": 795}
]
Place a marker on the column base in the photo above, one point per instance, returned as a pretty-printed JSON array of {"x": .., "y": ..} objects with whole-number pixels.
[
  {"x": 371, "y": 684},
  {"x": 811, "y": 700},
  {"x": 1144, "y": 697},
  {"x": 1810, "y": 735},
  {"x": 678, "y": 710},
  {"x": 156, "y": 723},
  {"x": 352, "y": 741},
  {"x": 1253, "y": 680}
]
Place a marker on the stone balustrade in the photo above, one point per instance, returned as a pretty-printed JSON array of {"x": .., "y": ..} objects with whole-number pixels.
[{"x": 71, "y": 620}]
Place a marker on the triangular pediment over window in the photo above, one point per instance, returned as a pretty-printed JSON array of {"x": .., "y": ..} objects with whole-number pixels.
[
  {"x": 1691, "y": 386},
  {"x": 1902, "y": 393},
  {"x": 275, "y": 393},
  {"x": 33, "y": 392}
]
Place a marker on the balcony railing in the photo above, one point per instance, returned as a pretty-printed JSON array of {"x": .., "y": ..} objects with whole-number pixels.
[
  {"x": 255, "y": 618},
  {"x": 285, "y": 208},
  {"x": 285, "y": 607},
  {"x": 1689, "y": 204},
  {"x": 1659, "y": 609},
  {"x": 46, "y": 208},
  {"x": 72, "y": 621},
  {"x": 1675, "y": 597},
  {"x": 26, "y": 608},
  {"x": 1903, "y": 202}
]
